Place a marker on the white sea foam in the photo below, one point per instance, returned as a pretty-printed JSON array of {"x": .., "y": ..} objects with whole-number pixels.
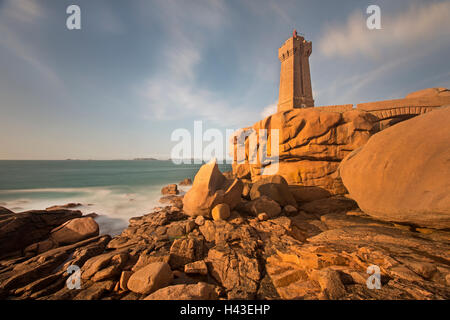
[{"x": 114, "y": 205}]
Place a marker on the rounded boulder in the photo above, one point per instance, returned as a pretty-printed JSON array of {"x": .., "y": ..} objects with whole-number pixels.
[
  {"x": 402, "y": 174},
  {"x": 150, "y": 278}
]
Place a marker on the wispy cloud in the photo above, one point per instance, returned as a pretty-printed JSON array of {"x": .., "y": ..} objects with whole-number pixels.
[
  {"x": 365, "y": 79},
  {"x": 416, "y": 28},
  {"x": 346, "y": 89},
  {"x": 281, "y": 12},
  {"x": 405, "y": 39},
  {"x": 23, "y": 11},
  {"x": 15, "y": 18},
  {"x": 171, "y": 99},
  {"x": 13, "y": 42},
  {"x": 175, "y": 92}
]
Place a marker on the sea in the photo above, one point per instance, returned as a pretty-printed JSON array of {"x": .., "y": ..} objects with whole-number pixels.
[{"x": 115, "y": 190}]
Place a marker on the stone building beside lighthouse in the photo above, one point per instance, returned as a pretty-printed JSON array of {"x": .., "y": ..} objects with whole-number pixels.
[{"x": 295, "y": 77}]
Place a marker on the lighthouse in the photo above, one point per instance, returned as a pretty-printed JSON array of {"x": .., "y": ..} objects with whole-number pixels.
[{"x": 295, "y": 77}]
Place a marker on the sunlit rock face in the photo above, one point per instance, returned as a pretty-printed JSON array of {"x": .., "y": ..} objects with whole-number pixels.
[
  {"x": 210, "y": 188},
  {"x": 402, "y": 174},
  {"x": 311, "y": 144}
]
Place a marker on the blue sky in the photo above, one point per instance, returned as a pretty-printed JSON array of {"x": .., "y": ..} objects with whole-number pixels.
[{"x": 139, "y": 69}]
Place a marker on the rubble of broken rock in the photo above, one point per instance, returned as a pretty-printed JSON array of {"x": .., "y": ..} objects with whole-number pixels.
[{"x": 317, "y": 249}]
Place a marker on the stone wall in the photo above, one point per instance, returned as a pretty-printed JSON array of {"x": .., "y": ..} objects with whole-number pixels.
[
  {"x": 336, "y": 108},
  {"x": 390, "y": 112},
  {"x": 419, "y": 102}
]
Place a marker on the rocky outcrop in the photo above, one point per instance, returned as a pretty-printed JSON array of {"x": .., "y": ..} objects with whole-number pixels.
[
  {"x": 104, "y": 266},
  {"x": 274, "y": 187},
  {"x": 209, "y": 189},
  {"x": 335, "y": 263},
  {"x": 263, "y": 205},
  {"x": 402, "y": 174},
  {"x": 236, "y": 270},
  {"x": 326, "y": 248},
  {"x": 150, "y": 278},
  {"x": 172, "y": 200},
  {"x": 70, "y": 205},
  {"x": 4, "y": 210},
  {"x": 171, "y": 189},
  {"x": 185, "y": 182},
  {"x": 309, "y": 255},
  {"x": 75, "y": 230},
  {"x": 311, "y": 145},
  {"x": 184, "y": 251},
  {"x": 199, "y": 291},
  {"x": 35, "y": 277},
  {"x": 19, "y": 230}
]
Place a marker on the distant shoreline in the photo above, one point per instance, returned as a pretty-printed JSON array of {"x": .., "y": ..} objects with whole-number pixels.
[{"x": 146, "y": 159}]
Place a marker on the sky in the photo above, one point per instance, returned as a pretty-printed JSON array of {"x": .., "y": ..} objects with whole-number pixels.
[{"x": 140, "y": 69}]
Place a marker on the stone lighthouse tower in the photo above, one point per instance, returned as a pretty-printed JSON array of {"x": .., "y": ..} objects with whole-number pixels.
[{"x": 295, "y": 78}]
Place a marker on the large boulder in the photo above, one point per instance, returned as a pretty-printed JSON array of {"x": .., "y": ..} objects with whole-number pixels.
[
  {"x": 199, "y": 291},
  {"x": 75, "y": 230},
  {"x": 312, "y": 142},
  {"x": 403, "y": 173},
  {"x": 221, "y": 212},
  {"x": 150, "y": 278},
  {"x": 263, "y": 205},
  {"x": 275, "y": 187},
  {"x": 209, "y": 189}
]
